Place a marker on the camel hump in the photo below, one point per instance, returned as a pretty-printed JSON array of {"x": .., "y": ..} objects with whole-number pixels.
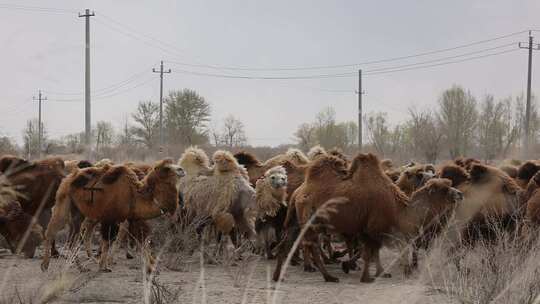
[
  {"x": 113, "y": 174},
  {"x": 84, "y": 176},
  {"x": 247, "y": 159}
]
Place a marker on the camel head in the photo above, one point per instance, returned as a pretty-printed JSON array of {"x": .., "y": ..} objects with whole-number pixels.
[
  {"x": 276, "y": 177},
  {"x": 455, "y": 173},
  {"x": 440, "y": 190},
  {"x": 103, "y": 163},
  {"x": 193, "y": 160},
  {"x": 315, "y": 152},
  {"x": 163, "y": 180},
  {"x": 415, "y": 176},
  {"x": 297, "y": 157},
  {"x": 224, "y": 161}
]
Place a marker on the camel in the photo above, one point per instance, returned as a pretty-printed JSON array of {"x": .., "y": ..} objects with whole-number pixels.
[
  {"x": 195, "y": 162},
  {"x": 225, "y": 198},
  {"x": 271, "y": 193},
  {"x": 491, "y": 202},
  {"x": 390, "y": 216},
  {"x": 37, "y": 183},
  {"x": 413, "y": 178},
  {"x": 329, "y": 178},
  {"x": 72, "y": 165},
  {"x": 14, "y": 223},
  {"x": 111, "y": 195}
]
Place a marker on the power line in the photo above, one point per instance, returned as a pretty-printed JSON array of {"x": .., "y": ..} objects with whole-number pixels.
[
  {"x": 108, "y": 88},
  {"x": 352, "y": 64},
  {"x": 343, "y": 75},
  {"x": 444, "y": 63}
]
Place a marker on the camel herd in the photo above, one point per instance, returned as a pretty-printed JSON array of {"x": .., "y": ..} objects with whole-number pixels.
[{"x": 314, "y": 200}]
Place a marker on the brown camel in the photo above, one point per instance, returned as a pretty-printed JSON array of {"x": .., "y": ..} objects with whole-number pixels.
[
  {"x": 531, "y": 197},
  {"x": 377, "y": 197},
  {"x": 37, "y": 182},
  {"x": 111, "y": 195},
  {"x": 492, "y": 201},
  {"x": 512, "y": 171},
  {"x": 413, "y": 178},
  {"x": 458, "y": 175}
]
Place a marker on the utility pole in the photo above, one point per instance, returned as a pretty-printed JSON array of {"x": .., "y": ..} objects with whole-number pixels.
[
  {"x": 161, "y": 71},
  {"x": 530, "y": 46},
  {"x": 360, "y": 93},
  {"x": 87, "y": 120},
  {"x": 40, "y": 129}
]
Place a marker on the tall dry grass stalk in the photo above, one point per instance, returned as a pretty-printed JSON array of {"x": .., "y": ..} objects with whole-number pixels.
[{"x": 502, "y": 269}]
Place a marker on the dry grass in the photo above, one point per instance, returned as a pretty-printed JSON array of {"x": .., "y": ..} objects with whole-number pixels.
[{"x": 505, "y": 269}]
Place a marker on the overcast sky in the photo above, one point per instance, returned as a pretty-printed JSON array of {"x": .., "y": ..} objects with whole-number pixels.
[{"x": 45, "y": 50}]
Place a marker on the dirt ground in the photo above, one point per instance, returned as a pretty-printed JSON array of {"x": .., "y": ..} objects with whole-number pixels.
[{"x": 246, "y": 282}]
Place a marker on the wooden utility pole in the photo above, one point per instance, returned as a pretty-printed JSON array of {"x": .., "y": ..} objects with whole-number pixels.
[
  {"x": 40, "y": 129},
  {"x": 360, "y": 93},
  {"x": 87, "y": 108},
  {"x": 161, "y": 71},
  {"x": 530, "y": 46}
]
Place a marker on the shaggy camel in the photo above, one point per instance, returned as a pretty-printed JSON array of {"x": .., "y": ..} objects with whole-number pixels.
[
  {"x": 329, "y": 178},
  {"x": 225, "y": 198},
  {"x": 271, "y": 193},
  {"x": 37, "y": 183},
  {"x": 295, "y": 156},
  {"x": 455, "y": 173},
  {"x": 111, "y": 195},
  {"x": 491, "y": 201},
  {"x": 413, "y": 178},
  {"x": 315, "y": 152},
  {"x": 512, "y": 171}
]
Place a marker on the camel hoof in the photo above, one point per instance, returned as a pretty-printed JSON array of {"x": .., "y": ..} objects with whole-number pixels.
[
  {"x": 295, "y": 262},
  {"x": 367, "y": 280},
  {"x": 309, "y": 268},
  {"x": 129, "y": 256},
  {"x": 55, "y": 254},
  {"x": 331, "y": 279},
  {"x": 44, "y": 266},
  {"x": 84, "y": 270},
  {"x": 105, "y": 270},
  {"x": 345, "y": 267},
  {"x": 386, "y": 275}
]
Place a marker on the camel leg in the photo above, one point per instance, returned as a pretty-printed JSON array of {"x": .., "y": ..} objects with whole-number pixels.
[
  {"x": 315, "y": 249},
  {"x": 283, "y": 249},
  {"x": 60, "y": 212},
  {"x": 404, "y": 260},
  {"x": 380, "y": 270},
  {"x": 108, "y": 235},
  {"x": 87, "y": 231},
  {"x": 367, "y": 255},
  {"x": 351, "y": 263},
  {"x": 308, "y": 258},
  {"x": 120, "y": 239}
]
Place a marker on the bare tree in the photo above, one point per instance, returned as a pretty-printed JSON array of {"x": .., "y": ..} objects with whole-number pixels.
[
  {"x": 377, "y": 130},
  {"x": 457, "y": 117},
  {"x": 7, "y": 146},
  {"x": 425, "y": 135},
  {"x": 186, "y": 116},
  {"x": 147, "y": 119},
  {"x": 31, "y": 138},
  {"x": 233, "y": 132},
  {"x": 104, "y": 133},
  {"x": 305, "y": 136}
]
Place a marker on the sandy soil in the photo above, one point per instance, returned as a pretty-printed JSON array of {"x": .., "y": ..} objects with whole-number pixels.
[{"x": 247, "y": 282}]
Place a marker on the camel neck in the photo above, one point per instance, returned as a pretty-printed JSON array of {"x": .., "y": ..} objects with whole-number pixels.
[{"x": 145, "y": 208}]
